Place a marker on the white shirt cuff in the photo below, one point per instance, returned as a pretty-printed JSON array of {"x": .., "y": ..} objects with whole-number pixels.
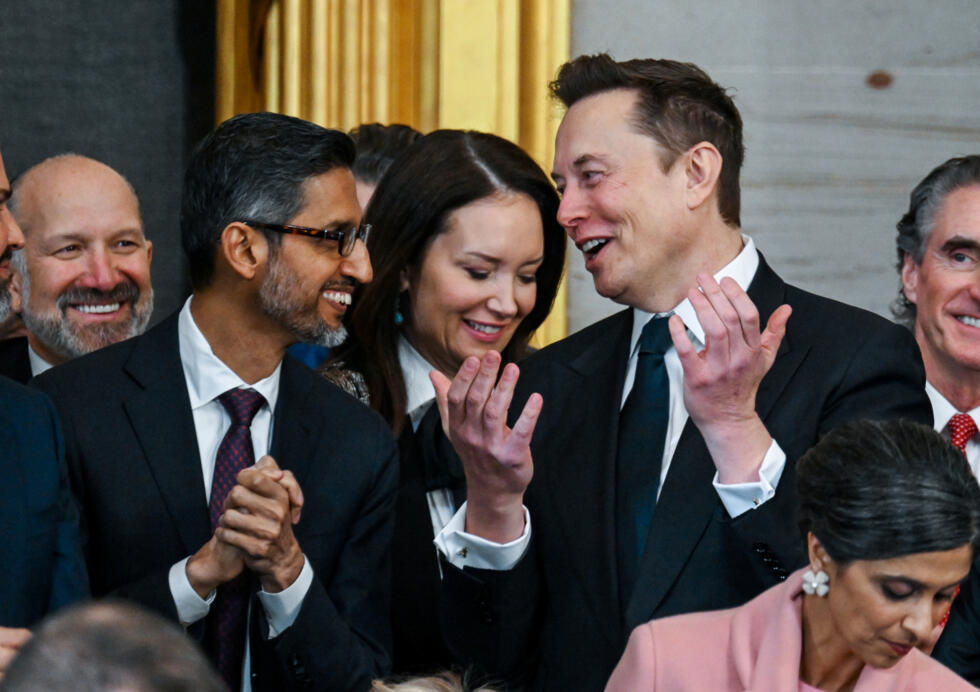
[
  {"x": 190, "y": 606},
  {"x": 739, "y": 498},
  {"x": 466, "y": 550},
  {"x": 282, "y": 608}
]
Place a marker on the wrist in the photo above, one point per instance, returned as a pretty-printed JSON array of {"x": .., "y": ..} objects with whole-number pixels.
[
  {"x": 738, "y": 449},
  {"x": 498, "y": 519},
  {"x": 201, "y": 579},
  {"x": 283, "y": 576}
]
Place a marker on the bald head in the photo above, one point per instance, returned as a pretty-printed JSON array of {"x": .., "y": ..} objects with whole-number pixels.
[{"x": 84, "y": 273}]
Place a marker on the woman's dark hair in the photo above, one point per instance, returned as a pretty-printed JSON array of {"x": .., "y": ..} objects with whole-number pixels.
[
  {"x": 378, "y": 146},
  {"x": 874, "y": 490},
  {"x": 442, "y": 172}
]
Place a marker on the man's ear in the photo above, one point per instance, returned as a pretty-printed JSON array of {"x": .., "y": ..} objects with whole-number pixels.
[
  {"x": 149, "y": 252},
  {"x": 244, "y": 249},
  {"x": 702, "y": 167},
  {"x": 910, "y": 278}
]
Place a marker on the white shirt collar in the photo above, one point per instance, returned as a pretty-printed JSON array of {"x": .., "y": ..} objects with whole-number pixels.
[
  {"x": 942, "y": 410},
  {"x": 38, "y": 364},
  {"x": 419, "y": 391},
  {"x": 741, "y": 269},
  {"x": 207, "y": 376}
]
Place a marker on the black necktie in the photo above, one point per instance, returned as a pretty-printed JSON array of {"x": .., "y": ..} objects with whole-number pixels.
[{"x": 642, "y": 431}]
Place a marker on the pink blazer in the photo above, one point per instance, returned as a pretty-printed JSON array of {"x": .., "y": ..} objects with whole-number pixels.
[{"x": 755, "y": 647}]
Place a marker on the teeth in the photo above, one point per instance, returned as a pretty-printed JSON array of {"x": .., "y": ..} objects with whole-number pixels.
[
  {"x": 485, "y": 328},
  {"x": 972, "y": 321},
  {"x": 590, "y": 245},
  {"x": 97, "y": 309},
  {"x": 341, "y": 297}
]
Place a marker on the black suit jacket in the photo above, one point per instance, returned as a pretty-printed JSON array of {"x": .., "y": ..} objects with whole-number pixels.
[
  {"x": 134, "y": 464},
  {"x": 556, "y": 620},
  {"x": 15, "y": 362},
  {"x": 41, "y": 566},
  {"x": 959, "y": 646}
]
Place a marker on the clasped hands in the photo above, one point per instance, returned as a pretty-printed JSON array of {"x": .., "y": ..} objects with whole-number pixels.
[
  {"x": 255, "y": 531},
  {"x": 720, "y": 385}
]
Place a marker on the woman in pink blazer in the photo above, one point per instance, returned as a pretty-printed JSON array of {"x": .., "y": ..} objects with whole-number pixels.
[{"x": 891, "y": 514}]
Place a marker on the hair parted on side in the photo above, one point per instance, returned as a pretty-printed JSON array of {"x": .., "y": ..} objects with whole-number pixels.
[
  {"x": 678, "y": 106},
  {"x": 377, "y": 148},
  {"x": 443, "y": 171},
  {"x": 915, "y": 227},
  {"x": 253, "y": 166},
  {"x": 874, "y": 490}
]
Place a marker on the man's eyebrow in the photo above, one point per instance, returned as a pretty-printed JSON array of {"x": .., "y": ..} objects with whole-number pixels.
[{"x": 959, "y": 241}]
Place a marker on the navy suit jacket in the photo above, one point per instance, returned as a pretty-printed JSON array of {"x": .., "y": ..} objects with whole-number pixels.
[
  {"x": 555, "y": 621},
  {"x": 41, "y": 566},
  {"x": 135, "y": 467}
]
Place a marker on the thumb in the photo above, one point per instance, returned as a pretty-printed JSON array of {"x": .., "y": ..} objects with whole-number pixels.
[
  {"x": 441, "y": 384},
  {"x": 776, "y": 328}
]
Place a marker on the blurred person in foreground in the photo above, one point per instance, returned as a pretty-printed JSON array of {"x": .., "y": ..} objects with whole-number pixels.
[
  {"x": 41, "y": 566},
  {"x": 467, "y": 257},
  {"x": 892, "y": 519},
  {"x": 83, "y": 277},
  {"x": 110, "y": 647},
  {"x": 377, "y": 148}
]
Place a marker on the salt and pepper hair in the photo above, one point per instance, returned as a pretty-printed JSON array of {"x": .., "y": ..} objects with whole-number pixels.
[
  {"x": 917, "y": 224},
  {"x": 110, "y": 646},
  {"x": 253, "y": 166},
  {"x": 874, "y": 490}
]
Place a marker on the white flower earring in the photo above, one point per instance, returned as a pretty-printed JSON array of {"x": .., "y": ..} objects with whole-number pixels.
[{"x": 816, "y": 582}]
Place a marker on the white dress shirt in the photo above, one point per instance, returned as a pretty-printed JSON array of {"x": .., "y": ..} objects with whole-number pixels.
[
  {"x": 464, "y": 549},
  {"x": 207, "y": 377},
  {"x": 942, "y": 411},
  {"x": 38, "y": 364},
  {"x": 420, "y": 395}
]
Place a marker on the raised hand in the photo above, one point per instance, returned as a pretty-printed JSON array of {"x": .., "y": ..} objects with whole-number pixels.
[
  {"x": 496, "y": 458},
  {"x": 720, "y": 382}
]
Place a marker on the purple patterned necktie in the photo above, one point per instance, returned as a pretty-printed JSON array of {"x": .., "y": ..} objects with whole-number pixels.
[{"x": 226, "y": 629}]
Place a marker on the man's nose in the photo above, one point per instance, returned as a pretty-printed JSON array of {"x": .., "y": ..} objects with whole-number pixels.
[
  {"x": 357, "y": 265},
  {"x": 572, "y": 210},
  {"x": 15, "y": 236},
  {"x": 101, "y": 271}
]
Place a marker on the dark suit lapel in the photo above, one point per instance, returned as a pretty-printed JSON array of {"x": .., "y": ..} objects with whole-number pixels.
[
  {"x": 688, "y": 499},
  {"x": 297, "y": 423},
  {"x": 581, "y": 482},
  {"x": 161, "y": 418}
]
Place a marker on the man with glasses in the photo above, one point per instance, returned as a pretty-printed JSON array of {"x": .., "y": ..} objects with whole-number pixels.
[{"x": 292, "y": 550}]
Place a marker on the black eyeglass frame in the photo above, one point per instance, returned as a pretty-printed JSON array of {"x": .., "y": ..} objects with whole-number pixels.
[{"x": 346, "y": 238}]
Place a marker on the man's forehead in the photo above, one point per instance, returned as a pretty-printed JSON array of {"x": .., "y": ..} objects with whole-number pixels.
[
  {"x": 959, "y": 213},
  {"x": 332, "y": 194},
  {"x": 599, "y": 127}
]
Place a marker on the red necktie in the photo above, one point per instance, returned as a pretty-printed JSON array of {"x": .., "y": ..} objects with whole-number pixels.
[
  {"x": 961, "y": 429},
  {"x": 226, "y": 629}
]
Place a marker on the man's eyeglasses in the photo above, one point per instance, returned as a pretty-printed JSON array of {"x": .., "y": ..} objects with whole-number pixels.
[{"x": 344, "y": 237}]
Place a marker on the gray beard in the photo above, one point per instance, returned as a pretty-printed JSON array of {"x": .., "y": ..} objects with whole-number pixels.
[
  {"x": 58, "y": 335},
  {"x": 280, "y": 300},
  {"x": 5, "y": 301}
]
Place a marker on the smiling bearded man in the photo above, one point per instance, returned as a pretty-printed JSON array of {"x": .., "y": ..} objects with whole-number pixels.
[{"x": 84, "y": 273}]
